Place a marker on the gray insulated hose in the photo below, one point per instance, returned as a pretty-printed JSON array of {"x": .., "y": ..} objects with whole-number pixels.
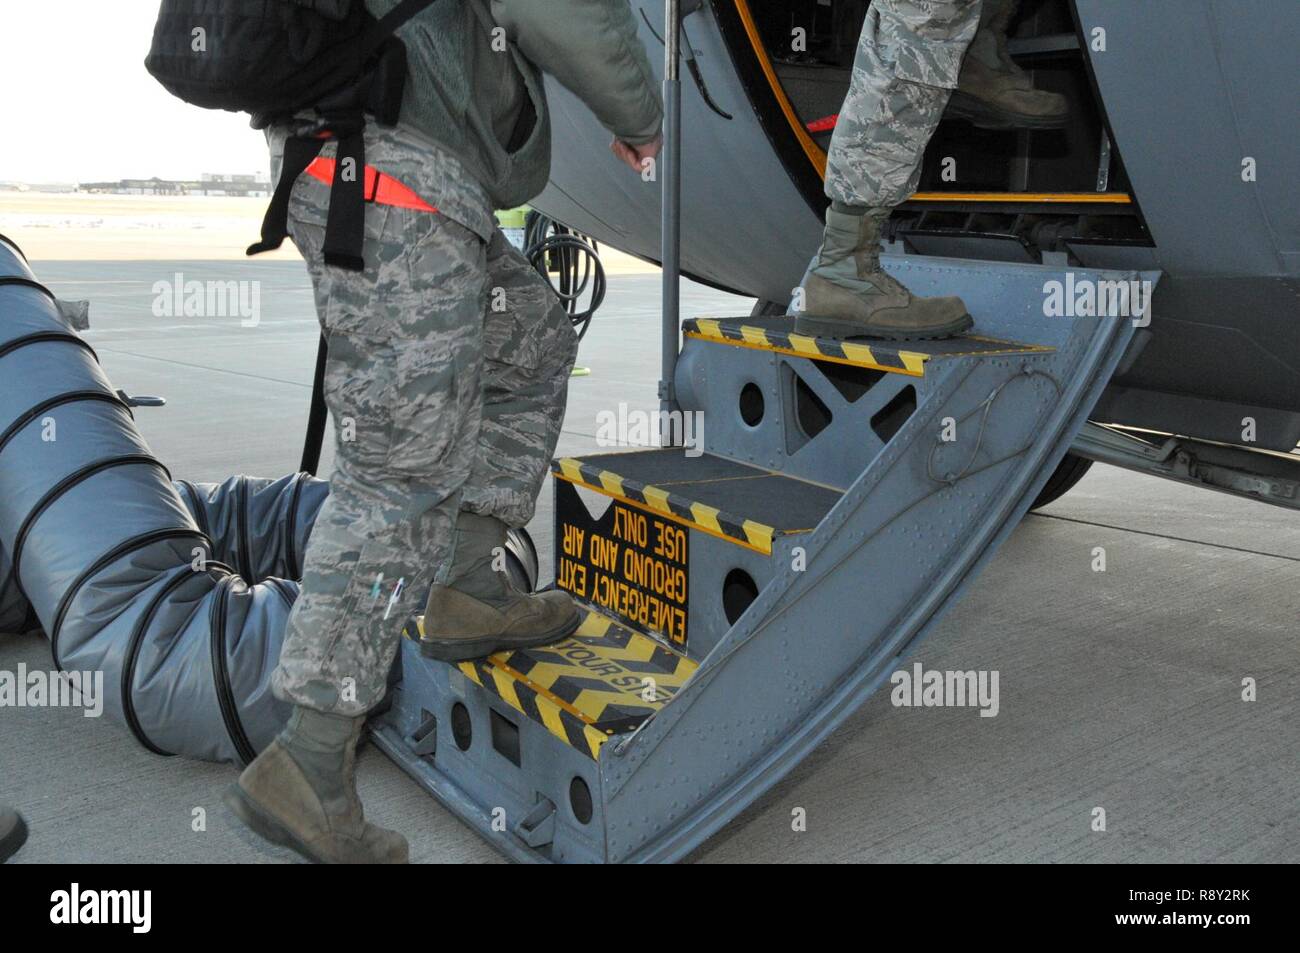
[
  {"x": 105, "y": 551},
  {"x": 178, "y": 593}
]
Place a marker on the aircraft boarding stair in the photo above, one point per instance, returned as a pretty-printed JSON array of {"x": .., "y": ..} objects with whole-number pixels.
[{"x": 745, "y": 596}]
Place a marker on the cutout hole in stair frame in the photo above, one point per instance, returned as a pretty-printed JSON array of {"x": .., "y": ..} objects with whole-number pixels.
[
  {"x": 811, "y": 412},
  {"x": 505, "y": 737},
  {"x": 580, "y": 802},
  {"x": 890, "y": 419},
  {"x": 594, "y": 503},
  {"x": 752, "y": 406},
  {"x": 738, "y": 591},
  {"x": 462, "y": 728},
  {"x": 806, "y": 414},
  {"x": 850, "y": 380}
]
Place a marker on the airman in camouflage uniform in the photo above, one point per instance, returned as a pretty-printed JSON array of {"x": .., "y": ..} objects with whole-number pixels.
[
  {"x": 911, "y": 56},
  {"x": 448, "y": 363},
  {"x": 446, "y": 379}
]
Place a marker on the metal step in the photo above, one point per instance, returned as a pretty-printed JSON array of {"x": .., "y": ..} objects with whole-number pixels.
[
  {"x": 688, "y": 543},
  {"x": 777, "y": 335},
  {"x": 512, "y": 744},
  {"x": 744, "y": 505},
  {"x": 604, "y": 680},
  {"x": 814, "y": 408}
]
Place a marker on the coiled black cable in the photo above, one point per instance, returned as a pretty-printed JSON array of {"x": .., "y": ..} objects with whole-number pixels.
[{"x": 575, "y": 258}]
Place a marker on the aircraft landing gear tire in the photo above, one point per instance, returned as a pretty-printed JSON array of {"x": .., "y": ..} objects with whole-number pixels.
[{"x": 1070, "y": 472}]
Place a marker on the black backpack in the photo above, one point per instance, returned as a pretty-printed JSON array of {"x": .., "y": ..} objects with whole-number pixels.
[{"x": 278, "y": 58}]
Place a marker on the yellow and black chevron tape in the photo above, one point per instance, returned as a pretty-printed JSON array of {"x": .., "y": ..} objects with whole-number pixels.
[
  {"x": 709, "y": 519},
  {"x": 880, "y": 358},
  {"x": 603, "y": 680}
]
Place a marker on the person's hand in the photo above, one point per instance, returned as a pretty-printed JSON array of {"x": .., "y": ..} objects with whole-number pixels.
[{"x": 634, "y": 156}]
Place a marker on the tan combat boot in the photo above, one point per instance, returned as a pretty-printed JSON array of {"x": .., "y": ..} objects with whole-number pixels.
[
  {"x": 301, "y": 793},
  {"x": 994, "y": 93},
  {"x": 990, "y": 44},
  {"x": 478, "y": 612},
  {"x": 847, "y": 294}
]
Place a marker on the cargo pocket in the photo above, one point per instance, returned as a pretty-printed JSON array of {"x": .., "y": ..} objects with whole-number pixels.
[
  {"x": 433, "y": 413},
  {"x": 925, "y": 50},
  {"x": 512, "y": 339},
  {"x": 524, "y": 326},
  {"x": 359, "y": 388}
]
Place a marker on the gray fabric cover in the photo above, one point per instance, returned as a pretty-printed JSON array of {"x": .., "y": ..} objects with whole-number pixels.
[
  {"x": 179, "y": 593},
  {"x": 106, "y": 549}
]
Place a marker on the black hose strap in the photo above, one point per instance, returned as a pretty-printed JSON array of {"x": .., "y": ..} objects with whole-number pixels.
[
  {"x": 124, "y": 548},
  {"x": 14, "y": 245},
  {"x": 63, "y": 486},
  {"x": 243, "y": 557},
  {"x": 132, "y": 655},
  {"x": 31, "y": 620},
  {"x": 28, "y": 283},
  {"x": 200, "y": 512},
  {"x": 314, "y": 439},
  {"x": 221, "y": 673},
  {"x": 279, "y": 585},
  {"x": 68, "y": 398},
  {"x": 292, "y": 564},
  {"x": 137, "y": 640},
  {"x": 38, "y": 337}
]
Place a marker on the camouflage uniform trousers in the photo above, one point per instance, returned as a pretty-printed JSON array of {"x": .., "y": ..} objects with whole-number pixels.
[
  {"x": 907, "y": 65},
  {"x": 447, "y": 376}
]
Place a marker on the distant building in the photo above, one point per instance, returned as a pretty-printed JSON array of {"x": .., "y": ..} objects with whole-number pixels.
[
  {"x": 209, "y": 183},
  {"x": 37, "y": 187}
]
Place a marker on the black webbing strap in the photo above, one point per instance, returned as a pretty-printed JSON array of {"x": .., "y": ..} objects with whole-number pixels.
[
  {"x": 315, "y": 439},
  {"x": 390, "y": 22},
  {"x": 298, "y": 154},
  {"x": 345, "y": 229}
]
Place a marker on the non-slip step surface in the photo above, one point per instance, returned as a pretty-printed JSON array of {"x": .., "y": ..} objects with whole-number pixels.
[
  {"x": 746, "y": 505},
  {"x": 602, "y": 681},
  {"x": 778, "y": 334}
]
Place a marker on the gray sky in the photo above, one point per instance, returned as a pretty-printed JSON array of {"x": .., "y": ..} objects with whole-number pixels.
[{"x": 78, "y": 104}]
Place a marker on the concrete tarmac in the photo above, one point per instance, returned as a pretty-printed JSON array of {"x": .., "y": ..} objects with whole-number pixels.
[{"x": 1120, "y": 690}]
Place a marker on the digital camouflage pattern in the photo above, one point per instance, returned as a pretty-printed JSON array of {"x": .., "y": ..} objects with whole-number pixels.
[
  {"x": 907, "y": 65},
  {"x": 448, "y": 367},
  {"x": 413, "y": 158}
]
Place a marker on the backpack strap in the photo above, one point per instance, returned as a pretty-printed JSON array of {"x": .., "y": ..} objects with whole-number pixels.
[
  {"x": 345, "y": 121},
  {"x": 345, "y": 229},
  {"x": 299, "y": 151},
  {"x": 390, "y": 23}
]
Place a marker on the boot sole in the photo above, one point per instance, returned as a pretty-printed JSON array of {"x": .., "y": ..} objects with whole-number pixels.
[
  {"x": 263, "y": 824},
  {"x": 842, "y": 331},
  {"x": 984, "y": 116},
  {"x": 465, "y": 650},
  {"x": 13, "y": 841}
]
